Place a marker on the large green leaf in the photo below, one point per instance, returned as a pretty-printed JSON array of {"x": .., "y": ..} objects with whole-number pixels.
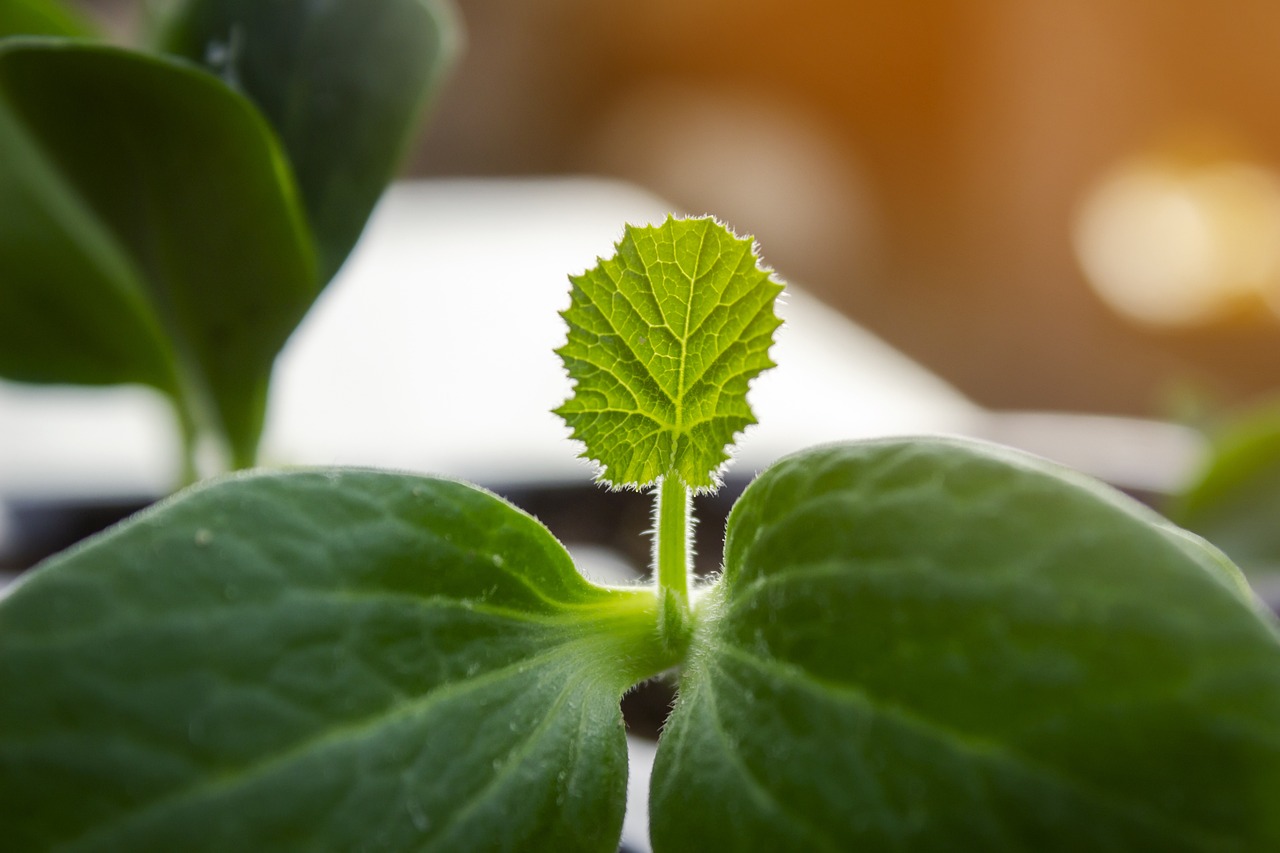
[
  {"x": 42, "y": 18},
  {"x": 934, "y": 645},
  {"x": 343, "y": 82},
  {"x": 318, "y": 660},
  {"x": 664, "y": 338},
  {"x": 157, "y": 172},
  {"x": 1235, "y": 501}
]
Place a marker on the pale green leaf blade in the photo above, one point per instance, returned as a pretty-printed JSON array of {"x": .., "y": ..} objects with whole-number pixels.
[
  {"x": 344, "y": 83},
  {"x": 189, "y": 181},
  {"x": 318, "y": 660},
  {"x": 938, "y": 645},
  {"x": 664, "y": 339}
]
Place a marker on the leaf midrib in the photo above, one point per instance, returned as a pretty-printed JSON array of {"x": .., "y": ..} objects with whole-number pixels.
[
  {"x": 970, "y": 747},
  {"x": 761, "y": 792},
  {"x": 574, "y": 615},
  {"x": 568, "y": 654},
  {"x": 515, "y": 760},
  {"x": 684, "y": 335}
]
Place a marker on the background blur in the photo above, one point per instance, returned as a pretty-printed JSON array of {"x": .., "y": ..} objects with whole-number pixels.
[{"x": 1068, "y": 204}]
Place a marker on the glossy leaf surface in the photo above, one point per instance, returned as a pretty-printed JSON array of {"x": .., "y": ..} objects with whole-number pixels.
[
  {"x": 173, "y": 184},
  {"x": 327, "y": 660},
  {"x": 936, "y": 645},
  {"x": 664, "y": 339},
  {"x": 344, "y": 83}
]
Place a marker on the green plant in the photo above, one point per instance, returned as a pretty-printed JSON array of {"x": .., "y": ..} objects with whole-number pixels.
[
  {"x": 1232, "y": 501},
  {"x": 168, "y": 217},
  {"x": 914, "y": 643}
]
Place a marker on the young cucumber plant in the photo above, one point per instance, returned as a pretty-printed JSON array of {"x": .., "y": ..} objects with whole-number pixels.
[
  {"x": 918, "y": 644},
  {"x": 168, "y": 217}
]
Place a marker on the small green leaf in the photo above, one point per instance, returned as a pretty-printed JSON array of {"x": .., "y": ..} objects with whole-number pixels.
[
  {"x": 664, "y": 339},
  {"x": 318, "y": 660},
  {"x": 41, "y": 18},
  {"x": 939, "y": 645},
  {"x": 1235, "y": 501},
  {"x": 344, "y": 83},
  {"x": 170, "y": 179}
]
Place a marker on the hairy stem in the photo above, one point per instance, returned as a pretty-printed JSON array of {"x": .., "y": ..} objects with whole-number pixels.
[{"x": 672, "y": 554}]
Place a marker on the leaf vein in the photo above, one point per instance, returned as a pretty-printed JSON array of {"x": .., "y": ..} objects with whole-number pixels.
[
  {"x": 761, "y": 793},
  {"x": 969, "y": 746},
  {"x": 564, "y": 653}
]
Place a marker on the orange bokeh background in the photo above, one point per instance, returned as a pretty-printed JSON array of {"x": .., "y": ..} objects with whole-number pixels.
[{"x": 920, "y": 165}]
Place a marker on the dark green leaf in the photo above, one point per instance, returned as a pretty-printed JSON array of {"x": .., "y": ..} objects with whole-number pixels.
[
  {"x": 187, "y": 180},
  {"x": 936, "y": 645},
  {"x": 40, "y": 18},
  {"x": 1235, "y": 502},
  {"x": 73, "y": 308},
  {"x": 664, "y": 339},
  {"x": 343, "y": 82},
  {"x": 328, "y": 660}
]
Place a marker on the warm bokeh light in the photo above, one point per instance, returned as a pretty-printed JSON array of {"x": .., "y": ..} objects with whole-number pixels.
[
  {"x": 1176, "y": 245},
  {"x": 924, "y": 167}
]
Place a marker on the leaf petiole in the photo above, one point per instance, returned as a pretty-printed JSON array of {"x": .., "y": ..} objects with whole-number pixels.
[{"x": 672, "y": 553}]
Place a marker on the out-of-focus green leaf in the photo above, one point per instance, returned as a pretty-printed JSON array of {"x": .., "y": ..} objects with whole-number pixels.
[
  {"x": 187, "y": 181},
  {"x": 343, "y": 82},
  {"x": 41, "y": 18},
  {"x": 664, "y": 339},
  {"x": 937, "y": 645},
  {"x": 73, "y": 308},
  {"x": 1235, "y": 502},
  {"x": 318, "y": 661}
]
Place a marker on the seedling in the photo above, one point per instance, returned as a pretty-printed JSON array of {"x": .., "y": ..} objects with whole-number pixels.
[
  {"x": 167, "y": 216},
  {"x": 913, "y": 644}
]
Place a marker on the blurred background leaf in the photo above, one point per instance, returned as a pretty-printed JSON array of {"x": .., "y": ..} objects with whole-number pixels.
[
  {"x": 43, "y": 18},
  {"x": 343, "y": 83},
  {"x": 160, "y": 228},
  {"x": 160, "y": 164},
  {"x": 1235, "y": 501}
]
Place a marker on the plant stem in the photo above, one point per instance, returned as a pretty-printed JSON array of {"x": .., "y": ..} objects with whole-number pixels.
[{"x": 672, "y": 554}]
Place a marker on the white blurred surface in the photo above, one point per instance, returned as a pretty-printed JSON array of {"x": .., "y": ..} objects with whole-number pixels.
[
  {"x": 432, "y": 351},
  {"x": 635, "y": 823},
  {"x": 63, "y": 441}
]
